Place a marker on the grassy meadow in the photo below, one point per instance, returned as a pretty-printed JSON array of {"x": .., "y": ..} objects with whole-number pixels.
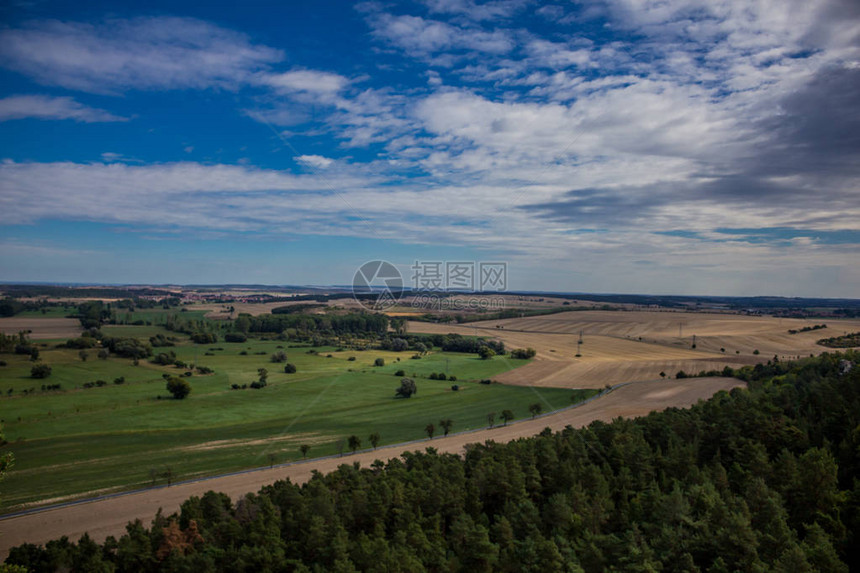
[{"x": 82, "y": 441}]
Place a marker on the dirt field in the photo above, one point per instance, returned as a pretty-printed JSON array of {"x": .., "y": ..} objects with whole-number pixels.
[
  {"x": 42, "y": 328},
  {"x": 622, "y": 346},
  {"x": 109, "y": 516}
]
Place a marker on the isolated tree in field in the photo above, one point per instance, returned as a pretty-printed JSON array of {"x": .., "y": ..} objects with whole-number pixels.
[
  {"x": 83, "y": 355},
  {"x": 178, "y": 387},
  {"x": 290, "y": 368},
  {"x": 662, "y": 374},
  {"x": 374, "y": 439},
  {"x": 271, "y": 461},
  {"x": 168, "y": 474},
  {"x": 446, "y": 425},
  {"x": 407, "y": 388},
  {"x": 507, "y": 416},
  {"x": 40, "y": 371},
  {"x": 430, "y": 429},
  {"x": 379, "y": 362},
  {"x": 304, "y": 449},
  {"x": 354, "y": 443},
  {"x": 279, "y": 356},
  {"x": 491, "y": 419},
  {"x": 535, "y": 409},
  {"x": 263, "y": 375},
  {"x": 34, "y": 354}
]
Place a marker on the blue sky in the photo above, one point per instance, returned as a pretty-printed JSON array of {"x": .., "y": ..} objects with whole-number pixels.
[{"x": 606, "y": 146}]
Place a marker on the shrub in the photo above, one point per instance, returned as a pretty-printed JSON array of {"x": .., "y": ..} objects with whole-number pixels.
[
  {"x": 235, "y": 337},
  {"x": 204, "y": 370},
  {"x": 103, "y": 354},
  {"x": 485, "y": 352},
  {"x": 452, "y": 378},
  {"x": 441, "y": 376},
  {"x": 279, "y": 356},
  {"x": 351, "y": 359},
  {"x": 128, "y": 347},
  {"x": 379, "y": 362},
  {"x": 455, "y": 388},
  {"x": 160, "y": 340},
  {"x": 290, "y": 368},
  {"x": 400, "y": 373},
  {"x": 407, "y": 388},
  {"x": 120, "y": 380},
  {"x": 165, "y": 358},
  {"x": 204, "y": 337},
  {"x": 178, "y": 387},
  {"x": 523, "y": 353},
  {"x": 81, "y": 343},
  {"x": 40, "y": 371},
  {"x": 258, "y": 384}
]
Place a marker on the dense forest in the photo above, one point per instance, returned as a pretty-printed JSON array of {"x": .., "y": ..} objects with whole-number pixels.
[{"x": 763, "y": 479}]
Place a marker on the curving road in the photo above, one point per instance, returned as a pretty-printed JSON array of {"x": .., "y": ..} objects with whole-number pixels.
[{"x": 108, "y": 516}]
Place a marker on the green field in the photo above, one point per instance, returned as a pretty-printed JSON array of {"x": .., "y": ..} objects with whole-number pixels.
[{"x": 80, "y": 441}]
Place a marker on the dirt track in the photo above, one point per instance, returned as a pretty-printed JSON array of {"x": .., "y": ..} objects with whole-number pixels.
[{"x": 109, "y": 516}]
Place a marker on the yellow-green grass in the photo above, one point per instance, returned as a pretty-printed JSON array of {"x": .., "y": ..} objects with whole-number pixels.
[{"x": 78, "y": 441}]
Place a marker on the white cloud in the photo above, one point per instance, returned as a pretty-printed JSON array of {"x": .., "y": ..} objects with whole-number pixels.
[
  {"x": 474, "y": 11},
  {"x": 315, "y": 160},
  {"x": 420, "y": 37},
  {"x": 46, "y": 107},
  {"x": 143, "y": 53},
  {"x": 311, "y": 81}
]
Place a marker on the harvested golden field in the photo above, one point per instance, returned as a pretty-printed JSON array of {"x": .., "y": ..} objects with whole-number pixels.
[
  {"x": 42, "y": 328},
  {"x": 622, "y": 346}
]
